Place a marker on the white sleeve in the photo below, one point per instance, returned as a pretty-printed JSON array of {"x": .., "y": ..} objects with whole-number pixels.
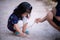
[{"x": 25, "y": 20}]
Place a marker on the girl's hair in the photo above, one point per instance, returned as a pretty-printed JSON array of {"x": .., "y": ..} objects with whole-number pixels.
[
  {"x": 22, "y": 8},
  {"x": 54, "y": 0}
]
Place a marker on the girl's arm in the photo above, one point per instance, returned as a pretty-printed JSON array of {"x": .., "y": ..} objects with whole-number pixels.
[
  {"x": 44, "y": 19},
  {"x": 52, "y": 23},
  {"x": 25, "y": 22},
  {"x": 19, "y": 30},
  {"x": 50, "y": 20},
  {"x": 24, "y": 27}
]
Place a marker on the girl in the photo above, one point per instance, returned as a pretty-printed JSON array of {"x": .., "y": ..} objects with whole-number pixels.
[
  {"x": 53, "y": 17},
  {"x": 20, "y": 13}
]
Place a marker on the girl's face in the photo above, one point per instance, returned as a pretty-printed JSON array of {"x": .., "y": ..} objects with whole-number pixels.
[{"x": 25, "y": 14}]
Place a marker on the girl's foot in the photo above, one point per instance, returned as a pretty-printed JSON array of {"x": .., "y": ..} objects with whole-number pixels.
[
  {"x": 27, "y": 32},
  {"x": 16, "y": 33},
  {"x": 20, "y": 34},
  {"x": 23, "y": 35}
]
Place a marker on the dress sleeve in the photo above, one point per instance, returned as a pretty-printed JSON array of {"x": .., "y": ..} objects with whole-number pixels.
[{"x": 14, "y": 20}]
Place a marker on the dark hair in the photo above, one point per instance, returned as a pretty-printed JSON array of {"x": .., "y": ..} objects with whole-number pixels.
[
  {"x": 54, "y": 0},
  {"x": 21, "y": 8}
]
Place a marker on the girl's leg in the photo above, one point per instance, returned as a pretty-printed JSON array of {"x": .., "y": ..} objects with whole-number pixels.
[
  {"x": 17, "y": 33},
  {"x": 50, "y": 20},
  {"x": 24, "y": 28},
  {"x": 54, "y": 11}
]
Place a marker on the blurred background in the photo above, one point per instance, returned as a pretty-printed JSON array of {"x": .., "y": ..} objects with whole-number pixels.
[{"x": 40, "y": 31}]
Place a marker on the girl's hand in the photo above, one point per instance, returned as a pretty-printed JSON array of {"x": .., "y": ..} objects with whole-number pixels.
[{"x": 38, "y": 20}]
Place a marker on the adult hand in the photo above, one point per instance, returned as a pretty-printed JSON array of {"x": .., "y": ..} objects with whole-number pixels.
[{"x": 38, "y": 20}]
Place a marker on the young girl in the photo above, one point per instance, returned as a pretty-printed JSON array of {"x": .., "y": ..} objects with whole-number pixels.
[
  {"x": 53, "y": 17},
  {"x": 20, "y": 13}
]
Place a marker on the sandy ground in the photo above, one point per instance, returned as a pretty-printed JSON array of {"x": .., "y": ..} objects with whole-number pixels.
[{"x": 40, "y": 31}]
